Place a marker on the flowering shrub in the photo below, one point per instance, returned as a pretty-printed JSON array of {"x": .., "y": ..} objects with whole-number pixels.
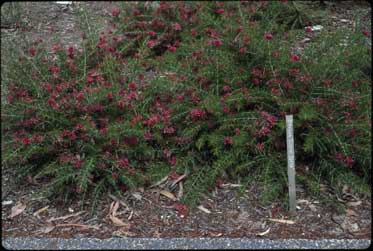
[{"x": 198, "y": 87}]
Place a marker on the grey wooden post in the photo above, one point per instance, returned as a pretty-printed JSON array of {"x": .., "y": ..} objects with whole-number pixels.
[{"x": 291, "y": 161}]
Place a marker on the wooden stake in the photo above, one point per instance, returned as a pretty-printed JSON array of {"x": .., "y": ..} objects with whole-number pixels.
[{"x": 291, "y": 161}]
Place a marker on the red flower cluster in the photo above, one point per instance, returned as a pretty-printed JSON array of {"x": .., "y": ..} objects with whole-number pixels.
[
  {"x": 197, "y": 114},
  {"x": 228, "y": 141},
  {"x": 348, "y": 160},
  {"x": 115, "y": 12},
  {"x": 216, "y": 42},
  {"x": 123, "y": 163},
  {"x": 268, "y": 36}
]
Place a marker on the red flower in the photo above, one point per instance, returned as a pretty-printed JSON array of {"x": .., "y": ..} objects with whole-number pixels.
[
  {"x": 181, "y": 208},
  {"x": 109, "y": 95},
  {"x": 132, "y": 95},
  {"x": 148, "y": 135},
  {"x": 226, "y": 88},
  {"x": 339, "y": 156},
  {"x": 131, "y": 140},
  {"x": 242, "y": 50},
  {"x": 26, "y": 141},
  {"x": 308, "y": 29},
  {"x": 173, "y": 160},
  {"x": 37, "y": 138},
  {"x": 151, "y": 121},
  {"x": 70, "y": 51},
  {"x": 176, "y": 27},
  {"x": 171, "y": 48},
  {"x": 121, "y": 104},
  {"x": 80, "y": 96},
  {"x": 197, "y": 114},
  {"x": 271, "y": 120},
  {"x": 294, "y": 58},
  {"x": 104, "y": 130},
  {"x": 260, "y": 147},
  {"x": 219, "y": 183},
  {"x": 327, "y": 83},
  {"x": 32, "y": 51},
  {"x": 151, "y": 33},
  {"x": 349, "y": 161},
  {"x": 78, "y": 163},
  {"x": 193, "y": 32},
  {"x": 90, "y": 80},
  {"x": 366, "y": 33},
  {"x": 168, "y": 130},
  {"x": 132, "y": 86},
  {"x": 167, "y": 153},
  {"x": 150, "y": 43},
  {"x": 228, "y": 140},
  {"x": 275, "y": 54},
  {"x": 355, "y": 83},
  {"x": 123, "y": 163},
  {"x": 115, "y": 12},
  {"x": 268, "y": 36},
  {"x": 216, "y": 42},
  {"x": 179, "y": 97},
  {"x": 137, "y": 12},
  {"x": 220, "y": 11}
]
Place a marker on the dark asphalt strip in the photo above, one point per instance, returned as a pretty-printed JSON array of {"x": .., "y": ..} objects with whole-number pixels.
[{"x": 179, "y": 243}]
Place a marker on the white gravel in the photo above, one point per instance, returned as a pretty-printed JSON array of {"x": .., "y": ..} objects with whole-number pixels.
[{"x": 22, "y": 243}]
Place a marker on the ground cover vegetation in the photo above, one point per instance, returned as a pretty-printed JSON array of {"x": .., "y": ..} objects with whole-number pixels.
[{"x": 196, "y": 88}]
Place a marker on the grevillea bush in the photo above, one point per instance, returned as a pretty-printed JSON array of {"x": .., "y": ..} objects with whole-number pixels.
[{"x": 192, "y": 87}]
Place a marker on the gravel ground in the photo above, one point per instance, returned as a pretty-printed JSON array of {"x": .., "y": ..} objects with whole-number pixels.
[{"x": 180, "y": 243}]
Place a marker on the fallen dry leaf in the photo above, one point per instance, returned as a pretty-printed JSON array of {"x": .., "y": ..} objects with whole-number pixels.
[
  {"x": 137, "y": 195},
  {"x": 114, "y": 208},
  {"x": 354, "y": 204},
  {"x": 264, "y": 233},
  {"x": 48, "y": 229},
  {"x": 180, "y": 193},
  {"x": 17, "y": 209},
  {"x": 178, "y": 179},
  {"x": 65, "y": 217},
  {"x": 40, "y": 211},
  {"x": 118, "y": 222},
  {"x": 113, "y": 211},
  {"x": 118, "y": 200},
  {"x": 159, "y": 182},
  {"x": 300, "y": 201},
  {"x": 230, "y": 185},
  {"x": 168, "y": 194},
  {"x": 202, "y": 208},
  {"x": 131, "y": 214},
  {"x": 282, "y": 221}
]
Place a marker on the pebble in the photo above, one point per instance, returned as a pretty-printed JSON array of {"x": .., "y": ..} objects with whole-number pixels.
[
  {"x": 344, "y": 21},
  {"x": 7, "y": 203},
  {"x": 317, "y": 28}
]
